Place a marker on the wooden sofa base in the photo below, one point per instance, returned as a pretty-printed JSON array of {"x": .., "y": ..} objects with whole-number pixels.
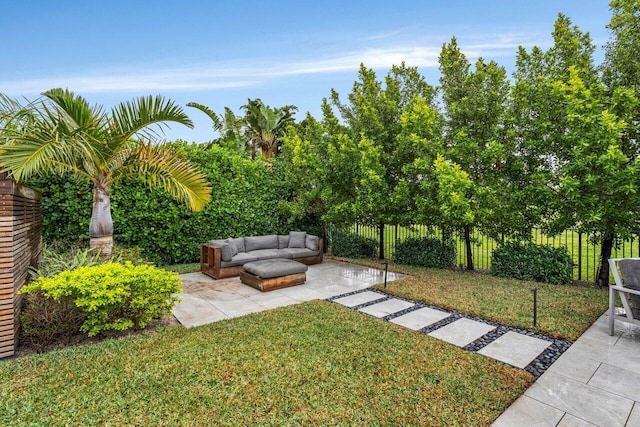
[{"x": 273, "y": 283}]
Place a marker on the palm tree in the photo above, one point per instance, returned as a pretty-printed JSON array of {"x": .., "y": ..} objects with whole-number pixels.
[
  {"x": 228, "y": 125},
  {"x": 266, "y": 126},
  {"x": 61, "y": 132}
]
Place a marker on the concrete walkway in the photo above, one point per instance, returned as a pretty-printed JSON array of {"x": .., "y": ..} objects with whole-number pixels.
[
  {"x": 205, "y": 300},
  {"x": 595, "y": 382}
]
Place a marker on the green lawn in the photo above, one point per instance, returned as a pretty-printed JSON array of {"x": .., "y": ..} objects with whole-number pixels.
[
  {"x": 313, "y": 363},
  {"x": 563, "y": 311},
  {"x": 182, "y": 268}
]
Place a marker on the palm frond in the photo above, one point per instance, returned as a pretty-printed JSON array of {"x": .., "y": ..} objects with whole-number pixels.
[
  {"x": 217, "y": 123},
  {"x": 77, "y": 111},
  {"x": 164, "y": 166},
  {"x": 137, "y": 116}
]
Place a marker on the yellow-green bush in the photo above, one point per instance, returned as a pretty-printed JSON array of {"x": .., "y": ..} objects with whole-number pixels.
[{"x": 113, "y": 296}]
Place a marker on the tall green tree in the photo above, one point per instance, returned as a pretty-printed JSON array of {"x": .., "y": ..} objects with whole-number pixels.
[
  {"x": 373, "y": 157},
  {"x": 475, "y": 106},
  {"x": 63, "y": 133}
]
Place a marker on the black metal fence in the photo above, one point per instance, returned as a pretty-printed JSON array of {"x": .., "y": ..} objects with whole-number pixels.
[{"x": 585, "y": 254}]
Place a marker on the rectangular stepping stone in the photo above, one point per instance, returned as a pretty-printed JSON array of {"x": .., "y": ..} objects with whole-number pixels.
[
  {"x": 357, "y": 299},
  {"x": 528, "y": 412},
  {"x": 462, "y": 332},
  {"x": 386, "y": 308},
  {"x": 420, "y": 318},
  {"x": 515, "y": 349},
  {"x": 617, "y": 380}
]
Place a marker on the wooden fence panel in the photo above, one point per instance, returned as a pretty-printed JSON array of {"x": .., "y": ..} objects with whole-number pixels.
[{"x": 20, "y": 248}]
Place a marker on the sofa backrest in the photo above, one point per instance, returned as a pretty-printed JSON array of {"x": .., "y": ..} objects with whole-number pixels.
[{"x": 255, "y": 243}]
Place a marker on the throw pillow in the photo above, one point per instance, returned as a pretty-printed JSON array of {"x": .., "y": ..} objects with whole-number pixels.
[
  {"x": 312, "y": 242},
  {"x": 297, "y": 239},
  {"x": 232, "y": 245}
]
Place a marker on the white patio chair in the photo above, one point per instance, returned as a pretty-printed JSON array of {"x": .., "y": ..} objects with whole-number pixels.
[{"x": 626, "y": 273}]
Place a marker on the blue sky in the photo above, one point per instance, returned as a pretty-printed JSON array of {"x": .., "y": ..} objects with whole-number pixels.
[{"x": 285, "y": 52}]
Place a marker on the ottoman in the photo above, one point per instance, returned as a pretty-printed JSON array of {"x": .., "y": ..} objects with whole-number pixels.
[{"x": 273, "y": 274}]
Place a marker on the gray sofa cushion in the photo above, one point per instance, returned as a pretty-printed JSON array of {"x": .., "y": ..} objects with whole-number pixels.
[
  {"x": 300, "y": 252},
  {"x": 254, "y": 243},
  {"x": 261, "y": 254},
  {"x": 297, "y": 239},
  {"x": 239, "y": 244},
  {"x": 226, "y": 253},
  {"x": 275, "y": 268},
  {"x": 239, "y": 259},
  {"x": 312, "y": 242},
  {"x": 283, "y": 242}
]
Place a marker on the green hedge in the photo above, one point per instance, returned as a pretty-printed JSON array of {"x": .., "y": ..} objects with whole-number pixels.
[
  {"x": 350, "y": 245},
  {"x": 425, "y": 252},
  {"x": 529, "y": 261},
  {"x": 244, "y": 202}
]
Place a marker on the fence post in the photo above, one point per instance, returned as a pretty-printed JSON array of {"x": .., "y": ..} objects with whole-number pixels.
[
  {"x": 579, "y": 256},
  {"x": 381, "y": 231}
]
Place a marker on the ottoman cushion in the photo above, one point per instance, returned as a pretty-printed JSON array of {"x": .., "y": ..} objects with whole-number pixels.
[{"x": 268, "y": 269}]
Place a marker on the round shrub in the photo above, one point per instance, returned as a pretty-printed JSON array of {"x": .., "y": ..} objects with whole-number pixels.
[
  {"x": 529, "y": 261},
  {"x": 349, "y": 245},
  {"x": 113, "y": 296},
  {"x": 425, "y": 252}
]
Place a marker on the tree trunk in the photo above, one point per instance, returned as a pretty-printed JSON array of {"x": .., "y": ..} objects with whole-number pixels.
[
  {"x": 101, "y": 224},
  {"x": 253, "y": 150},
  {"x": 605, "y": 254},
  {"x": 467, "y": 243}
]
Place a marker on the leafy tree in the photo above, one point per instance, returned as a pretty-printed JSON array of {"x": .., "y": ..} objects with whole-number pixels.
[
  {"x": 230, "y": 127},
  {"x": 475, "y": 106},
  {"x": 63, "y": 133},
  {"x": 371, "y": 158}
]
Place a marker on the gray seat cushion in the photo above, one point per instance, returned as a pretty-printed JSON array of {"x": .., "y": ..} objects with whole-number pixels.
[
  {"x": 300, "y": 252},
  {"x": 297, "y": 239},
  {"x": 239, "y": 259},
  {"x": 261, "y": 254},
  {"x": 255, "y": 243},
  {"x": 630, "y": 271},
  {"x": 269, "y": 269}
]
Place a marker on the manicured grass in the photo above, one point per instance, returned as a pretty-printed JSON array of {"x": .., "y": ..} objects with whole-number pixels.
[
  {"x": 563, "y": 311},
  {"x": 182, "y": 268},
  {"x": 313, "y": 363}
]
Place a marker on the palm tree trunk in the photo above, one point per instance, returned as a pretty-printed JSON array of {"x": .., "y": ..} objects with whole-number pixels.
[{"x": 101, "y": 224}]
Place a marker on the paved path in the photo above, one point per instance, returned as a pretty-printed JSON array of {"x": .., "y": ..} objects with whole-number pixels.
[{"x": 596, "y": 381}]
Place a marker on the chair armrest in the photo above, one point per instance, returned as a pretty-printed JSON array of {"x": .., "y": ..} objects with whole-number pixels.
[
  {"x": 211, "y": 255},
  {"x": 625, "y": 290}
]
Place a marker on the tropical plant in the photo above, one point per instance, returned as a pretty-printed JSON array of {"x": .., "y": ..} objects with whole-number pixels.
[
  {"x": 63, "y": 133},
  {"x": 265, "y": 126},
  {"x": 228, "y": 125}
]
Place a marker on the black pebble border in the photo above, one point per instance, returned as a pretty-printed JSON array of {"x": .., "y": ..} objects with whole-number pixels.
[{"x": 536, "y": 368}]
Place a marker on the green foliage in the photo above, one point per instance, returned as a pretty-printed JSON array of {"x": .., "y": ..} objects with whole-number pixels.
[
  {"x": 425, "y": 252},
  {"x": 349, "y": 245},
  {"x": 529, "y": 261},
  {"x": 113, "y": 296},
  {"x": 45, "y": 321}
]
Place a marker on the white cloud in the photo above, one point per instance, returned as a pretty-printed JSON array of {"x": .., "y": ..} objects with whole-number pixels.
[{"x": 253, "y": 72}]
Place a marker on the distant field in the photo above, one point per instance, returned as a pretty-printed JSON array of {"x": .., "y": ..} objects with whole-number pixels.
[{"x": 585, "y": 254}]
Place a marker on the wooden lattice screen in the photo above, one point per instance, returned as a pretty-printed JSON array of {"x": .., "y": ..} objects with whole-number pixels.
[{"x": 20, "y": 247}]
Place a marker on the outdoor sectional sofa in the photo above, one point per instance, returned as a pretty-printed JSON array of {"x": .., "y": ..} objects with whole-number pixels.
[{"x": 225, "y": 258}]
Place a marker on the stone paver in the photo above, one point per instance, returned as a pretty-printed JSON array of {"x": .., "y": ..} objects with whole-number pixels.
[
  {"x": 359, "y": 298},
  {"x": 387, "y": 307},
  {"x": 570, "y": 421},
  {"x": 586, "y": 402},
  {"x": 515, "y": 349},
  {"x": 462, "y": 331},
  {"x": 526, "y": 411},
  {"x": 617, "y": 380},
  {"x": 420, "y": 318}
]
